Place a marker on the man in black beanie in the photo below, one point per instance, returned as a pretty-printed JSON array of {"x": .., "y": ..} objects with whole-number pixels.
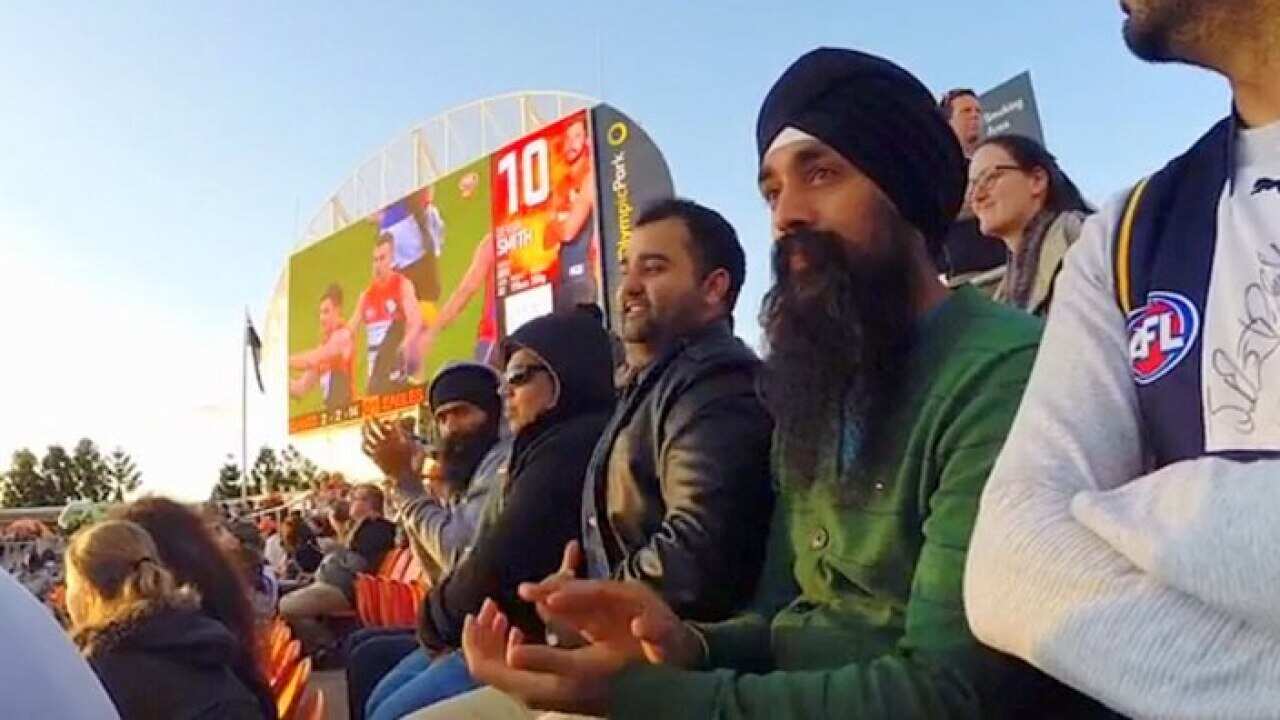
[
  {"x": 467, "y": 410},
  {"x": 440, "y": 523},
  {"x": 892, "y": 396}
]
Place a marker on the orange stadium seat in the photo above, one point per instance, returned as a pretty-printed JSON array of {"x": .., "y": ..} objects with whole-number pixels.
[
  {"x": 277, "y": 639},
  {"x": 386, "y": 602},
  {"x": 365, "y": 599},
  {"x": 283, "y": 664},
  {"x": 406, "y": 607},
  {"x": 290, "y": 693}
]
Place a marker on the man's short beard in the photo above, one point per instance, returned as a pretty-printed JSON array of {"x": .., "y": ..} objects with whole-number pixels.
[
  {"x": 838, "y": 336},
  {"x": 1191, "y": 31},
  {"x": 461, "y": 454}
]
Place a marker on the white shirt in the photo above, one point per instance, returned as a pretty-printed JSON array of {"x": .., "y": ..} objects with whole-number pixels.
[
  {"x": 276, "y": 555},
  {"x": 1241, "y": 375}
]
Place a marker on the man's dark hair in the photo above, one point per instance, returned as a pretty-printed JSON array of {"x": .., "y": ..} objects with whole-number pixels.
[
  {"x": 951, "y": 96},
  {"x": 333, "y": 294},
  {"x": 714, "y": 243},
  {"x": 385, "y": 238}
]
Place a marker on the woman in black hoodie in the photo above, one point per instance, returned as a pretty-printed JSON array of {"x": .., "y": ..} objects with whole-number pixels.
[
  {"x": 558, "y": 390},
  {"x": 156, "y": 653}
]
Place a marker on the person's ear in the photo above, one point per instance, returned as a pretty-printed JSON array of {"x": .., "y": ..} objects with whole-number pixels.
[{"x": 716, "y": 287}]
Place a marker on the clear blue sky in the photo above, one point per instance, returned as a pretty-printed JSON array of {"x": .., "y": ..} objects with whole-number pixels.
[{"x": 155, "y": 157}]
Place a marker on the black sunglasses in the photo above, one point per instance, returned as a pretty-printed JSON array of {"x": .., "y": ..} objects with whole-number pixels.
[{"x": 521, "y": 374}]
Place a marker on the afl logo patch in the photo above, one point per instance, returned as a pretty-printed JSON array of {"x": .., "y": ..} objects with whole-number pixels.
[{"x": 1161, "y": 334}]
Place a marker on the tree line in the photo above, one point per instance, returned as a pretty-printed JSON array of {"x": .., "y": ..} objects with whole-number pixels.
[{"x": 86, "y": 473}]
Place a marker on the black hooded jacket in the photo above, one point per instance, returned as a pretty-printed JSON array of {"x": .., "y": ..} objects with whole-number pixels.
[
  {"x": 526, "y": 525},
  {"x": 164, "y": 662}
]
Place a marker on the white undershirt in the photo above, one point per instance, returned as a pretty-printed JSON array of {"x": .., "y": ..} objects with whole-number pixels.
[{"x": 1241, "y": 365}]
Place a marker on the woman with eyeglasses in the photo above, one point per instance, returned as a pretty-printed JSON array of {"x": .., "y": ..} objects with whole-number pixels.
[
  {"x": 1021, "y": 196},
  {"x": 558, "y": 393}
]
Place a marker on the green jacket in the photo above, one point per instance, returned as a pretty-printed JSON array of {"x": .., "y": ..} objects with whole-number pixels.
[{"x": 859, "y": 612}]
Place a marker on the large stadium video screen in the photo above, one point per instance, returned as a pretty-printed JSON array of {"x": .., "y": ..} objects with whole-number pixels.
[{"x": 444, "y": 273}]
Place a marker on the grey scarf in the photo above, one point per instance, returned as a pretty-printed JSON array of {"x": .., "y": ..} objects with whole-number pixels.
[{"x": 1020, "y": 279}]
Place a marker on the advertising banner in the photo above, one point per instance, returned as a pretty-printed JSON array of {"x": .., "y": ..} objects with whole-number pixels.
[
  {"x": 633, "y": 174},
  {"x": 546, "y": 243}
]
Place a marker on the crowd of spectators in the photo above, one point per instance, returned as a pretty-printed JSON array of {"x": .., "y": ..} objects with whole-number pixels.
[{"x": 984, "y": 467}]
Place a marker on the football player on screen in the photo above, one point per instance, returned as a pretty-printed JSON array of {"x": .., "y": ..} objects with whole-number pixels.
[
  {"x": 389, "y": 311},
  {"x": 331, "y": 363},
  {"x": 573, "y": 198}
]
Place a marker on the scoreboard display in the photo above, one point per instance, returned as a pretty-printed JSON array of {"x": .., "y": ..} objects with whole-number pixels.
[{"x": 444, "y": 273}]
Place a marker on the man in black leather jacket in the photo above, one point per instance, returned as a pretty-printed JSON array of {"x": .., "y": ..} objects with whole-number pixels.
[{"x": 678, "y": 493}]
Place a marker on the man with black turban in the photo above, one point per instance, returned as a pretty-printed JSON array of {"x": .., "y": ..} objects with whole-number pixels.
[{"x": 892, "y": 397}]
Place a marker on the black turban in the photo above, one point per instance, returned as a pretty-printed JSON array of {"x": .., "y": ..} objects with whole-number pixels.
[
  {"x": 881, "y": 119},
  {"x": 466, "y": 382}
]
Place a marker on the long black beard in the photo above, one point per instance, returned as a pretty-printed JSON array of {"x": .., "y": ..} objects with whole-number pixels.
[
  {"x": 461, "y": 455},
  {"x": 838, "y": 333}
]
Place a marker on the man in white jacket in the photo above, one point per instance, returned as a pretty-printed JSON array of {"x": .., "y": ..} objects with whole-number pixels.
[{"x": 1127, "y": 541}]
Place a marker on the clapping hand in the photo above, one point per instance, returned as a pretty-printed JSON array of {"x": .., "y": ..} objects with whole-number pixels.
[
  {"x": 622, "y": 623},
  {"x": 393, "y": 450}
]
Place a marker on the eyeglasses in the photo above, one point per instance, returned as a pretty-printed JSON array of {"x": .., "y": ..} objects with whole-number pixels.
[
  {"x": 521, "y": 374},
  {"x": 983, "y": 182}
]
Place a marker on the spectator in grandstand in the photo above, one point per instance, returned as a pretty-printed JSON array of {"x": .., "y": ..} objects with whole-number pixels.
[
  {"x": 682, "y": 471},
  {"x": 968, "y": 256},
  {"x": 332, "y": 592},
  {"x": 440, "y": 523},
  {"x": 467, "y": 412},
  {"x": 242, "y": 542},
  {"x": 155, "y": 652},
  {"x": 301, "y": 544},
  {"x": 1021, "y": 196},
  {"x": 1126, "y": 540},
  {"x": 964, "y": 114},
  {"x": 41, "y": 676},
  {"x": 33, "y": 554},
  {"x": 558, "y": 389},
  {"x": 337, "y": 524},
  {"x": 892, "y": 396},
  {"x": 191, "y": 554},
  {"x": 273, "y": 550}
]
